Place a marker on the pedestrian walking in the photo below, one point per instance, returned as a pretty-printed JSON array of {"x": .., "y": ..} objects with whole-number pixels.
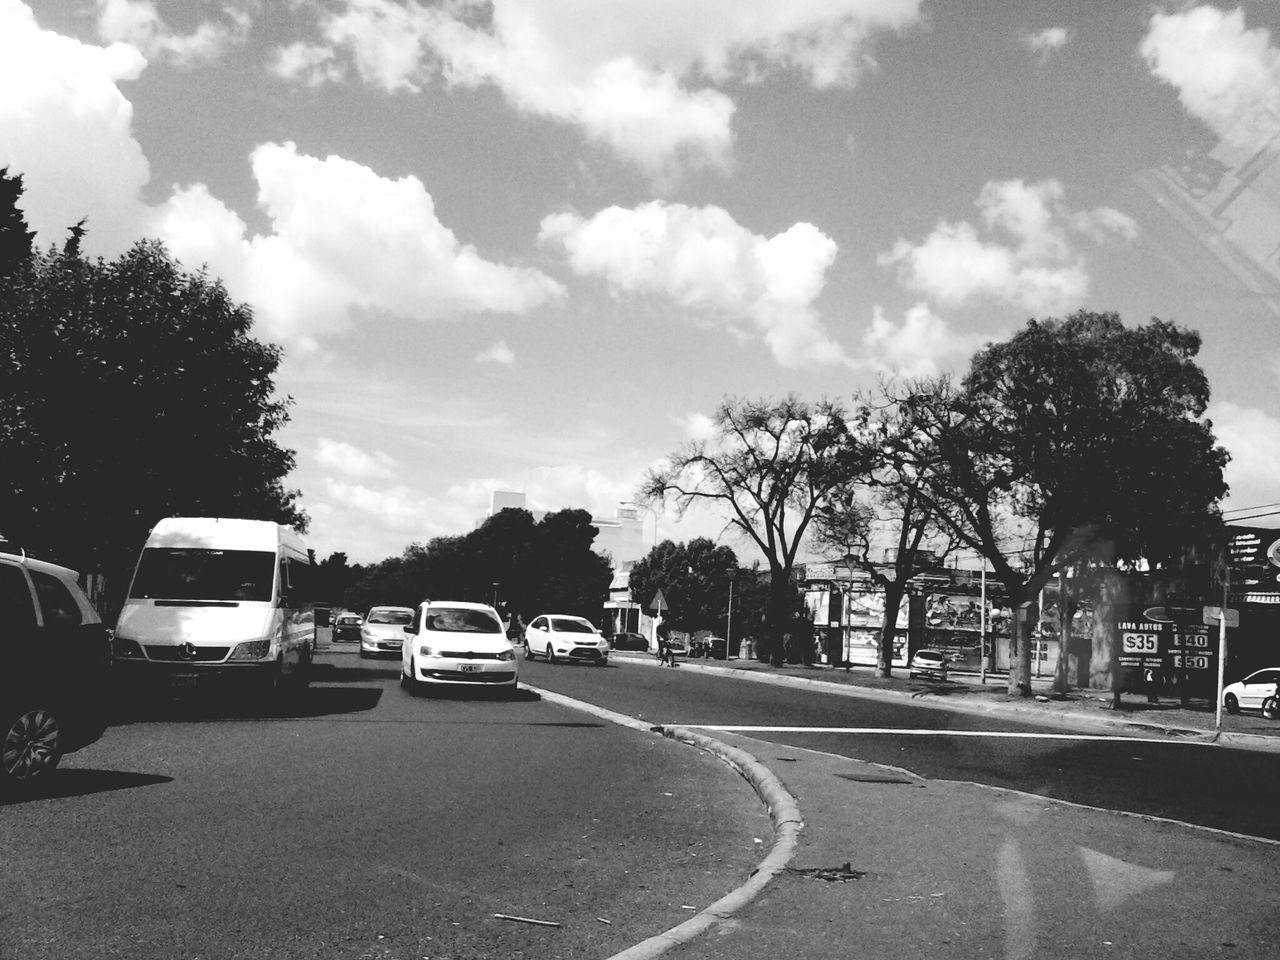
[{"x": 665, "y": 653}]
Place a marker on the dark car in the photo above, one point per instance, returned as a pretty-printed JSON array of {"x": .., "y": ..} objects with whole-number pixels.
[
  {"x": 630, "y": 641},
  {"x": 54, "y": 683},
  {"x": 346, "y": 628}
]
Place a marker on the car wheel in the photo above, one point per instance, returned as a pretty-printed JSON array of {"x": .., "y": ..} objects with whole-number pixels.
[
  {"x": 406, "y": 679},
  {"x": 528, "y": 652},
  {"x": 551, "y": 654},
  {"x": 1271, "y": 707},
  {"x": 1231, "y": 703},
  {"x": 31, "y": 748}
]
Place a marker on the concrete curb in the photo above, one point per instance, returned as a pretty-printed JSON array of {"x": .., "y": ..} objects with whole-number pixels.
[
  {"x": 784, "y": 812},
  {"x": 1244, "y": 741}
]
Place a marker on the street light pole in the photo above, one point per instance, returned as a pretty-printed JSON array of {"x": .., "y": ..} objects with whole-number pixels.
[{"x": 728, "y": 627}]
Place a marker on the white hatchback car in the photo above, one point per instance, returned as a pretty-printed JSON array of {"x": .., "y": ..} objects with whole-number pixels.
[
  {"x": 562, "y": 636},
  {"x": 1251, "y": 692},
  {"x": 458, "y": 644},
  {"x": 382, "y": 633},
  {"x": 928, "y": 663}
]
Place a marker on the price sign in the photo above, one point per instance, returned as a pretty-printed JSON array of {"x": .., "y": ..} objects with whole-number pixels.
[
  {"x": 1191, "y": 661},
  {"x": 1140, "y": 642}
]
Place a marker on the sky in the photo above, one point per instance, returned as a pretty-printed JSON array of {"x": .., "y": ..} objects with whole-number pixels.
[{"x": 532, "y": 245}]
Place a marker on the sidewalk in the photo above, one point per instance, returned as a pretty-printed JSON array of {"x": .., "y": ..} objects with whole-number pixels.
[{"x": 1084, "y": 709}]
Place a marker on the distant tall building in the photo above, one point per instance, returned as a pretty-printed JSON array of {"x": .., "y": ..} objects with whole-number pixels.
[{"x": 621, "y": 537}]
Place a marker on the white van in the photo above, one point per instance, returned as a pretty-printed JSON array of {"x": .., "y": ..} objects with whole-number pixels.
[{"x": 216, "y": 599}]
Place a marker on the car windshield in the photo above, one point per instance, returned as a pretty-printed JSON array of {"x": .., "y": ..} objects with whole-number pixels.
[
  {"x": 571, "y": 626},
  {"x": 180, "y": 573},
  {"x": 461, "y": 620},
  {"x": 397, "y": 617}
]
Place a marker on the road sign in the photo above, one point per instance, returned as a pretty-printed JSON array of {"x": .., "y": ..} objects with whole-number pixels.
[
  {"x": 659, "y": 602},
  {"x": 1213, "y": 614}
]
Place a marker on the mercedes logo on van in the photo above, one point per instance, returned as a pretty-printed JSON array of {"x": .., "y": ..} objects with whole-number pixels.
[{"x": 187, "y": 651}]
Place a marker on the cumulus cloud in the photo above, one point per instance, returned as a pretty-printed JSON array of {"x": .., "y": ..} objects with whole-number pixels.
[
  {"x": 354, "y": 462},
  {"x": 1046, "y": 42},
  {"x": 700, "y": 258},
  {"x": 1248, "y": 434},
  {"x": 1032, "y": 263},
  {"x": 697, "y": 426},
  {"x": 1226, "y": 75},
  {"x": 67, "y": 128},
  {"x": 634, "y": 77},
  {"x": 921, "y": 345},
  {"x": 137, "y": 22},
  {"x": 343, "y": 239},
  {"x": 499, "y": 353}
]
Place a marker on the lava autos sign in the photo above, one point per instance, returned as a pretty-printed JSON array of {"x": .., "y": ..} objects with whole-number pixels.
[{"x": 1169, "y": 647}]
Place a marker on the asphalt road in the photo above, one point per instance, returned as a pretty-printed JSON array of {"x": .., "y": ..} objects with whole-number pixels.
[
  {"x": 1214, "y": 786},
  {"x": 369, "y": 823}
]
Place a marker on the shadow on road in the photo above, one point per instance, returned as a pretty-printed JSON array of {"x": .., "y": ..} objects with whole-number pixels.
[
  {"x": 203, "y": 706},
  {"x": 77, "y": 783}
]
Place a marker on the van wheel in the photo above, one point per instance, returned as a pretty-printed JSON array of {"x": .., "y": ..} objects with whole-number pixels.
[{"x": 31, "y": 748}]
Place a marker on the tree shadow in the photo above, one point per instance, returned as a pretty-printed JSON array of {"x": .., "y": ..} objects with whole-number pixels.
[
  {"x": 80, "y": 782},
  {"x": 200, "y": 706}
]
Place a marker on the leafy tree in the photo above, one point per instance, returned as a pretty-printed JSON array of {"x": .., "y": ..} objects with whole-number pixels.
[
  {"x": 767, "y": 465},
  {"x": 541, "y": 567},
  {"x": 15, "y": 237},
  {"x": 694, "y": 579},
  {"x": 130, "y": 390},
  {"x": 1074, "y": 438}
]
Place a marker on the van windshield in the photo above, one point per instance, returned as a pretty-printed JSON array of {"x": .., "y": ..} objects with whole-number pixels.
[{"x": 166, "y": 573}]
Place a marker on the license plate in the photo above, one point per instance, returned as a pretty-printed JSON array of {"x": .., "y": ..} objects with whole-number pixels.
[
  {"x": 183, "y": 679},
  {"x": 468, "y": 668}
]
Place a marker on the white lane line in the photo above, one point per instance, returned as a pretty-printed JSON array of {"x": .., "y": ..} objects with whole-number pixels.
[{"x": 910, "y": 732}]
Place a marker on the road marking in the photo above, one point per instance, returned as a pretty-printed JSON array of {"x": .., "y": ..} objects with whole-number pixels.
[{"x": 925, "y": 732}]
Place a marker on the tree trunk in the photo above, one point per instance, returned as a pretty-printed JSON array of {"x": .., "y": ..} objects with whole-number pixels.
[
  {"x": 1025, "y": 615},
  {"x": 777, "y": 613},
  {"x": 893, "y": 594}
]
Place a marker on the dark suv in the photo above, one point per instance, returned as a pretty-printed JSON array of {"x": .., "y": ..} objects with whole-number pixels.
[{"x": 54, "y": 681}]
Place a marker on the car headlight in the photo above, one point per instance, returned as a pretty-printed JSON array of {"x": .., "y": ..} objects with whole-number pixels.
[
  {"x": 507, "y": 655},
  {"x": 251, "y": 650},
  {"x": 426, "y": 651}
]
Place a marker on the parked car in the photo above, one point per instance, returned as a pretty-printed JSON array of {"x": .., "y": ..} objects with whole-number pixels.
[
  {"x": 929, "y": 663},
  {"x": 716, "y": 647},
  {"x": 346, "y": 628},
  {"x": 382, "y": 633},
  {"x": 630, "y": 641},
  {"x": 54, "y": 682},
  {"x": 1252, "y": 691},
  {"x": 558, "y": 636},
  {"x": 459, "y": 644}
]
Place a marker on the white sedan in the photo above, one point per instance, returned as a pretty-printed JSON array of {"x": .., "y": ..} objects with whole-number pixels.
[
  {"x": 382, "y": 633},
  {"x": 452, "y": 643},
  {"x": 1251, "y": 692},
  {"x": 562, "y": 636}
]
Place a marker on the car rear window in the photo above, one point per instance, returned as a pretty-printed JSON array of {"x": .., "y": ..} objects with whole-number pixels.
[
  {"x": 398, "y": 617},
  {"x": 571, "y": 626},
  {"x": 461, "y": 620}
]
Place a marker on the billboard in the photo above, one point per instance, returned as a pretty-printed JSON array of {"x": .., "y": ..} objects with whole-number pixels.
[{"x": 1253, "y": 557}]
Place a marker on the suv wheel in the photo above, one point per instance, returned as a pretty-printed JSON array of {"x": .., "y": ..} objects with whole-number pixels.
[{"x": 31, "y": 748}]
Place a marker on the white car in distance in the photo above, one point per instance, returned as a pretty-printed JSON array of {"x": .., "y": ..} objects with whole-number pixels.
[
  {"x": 452, "y": 643},
  {"x": 562, "y": 636},
  {"x": 382, "y": 633}
]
